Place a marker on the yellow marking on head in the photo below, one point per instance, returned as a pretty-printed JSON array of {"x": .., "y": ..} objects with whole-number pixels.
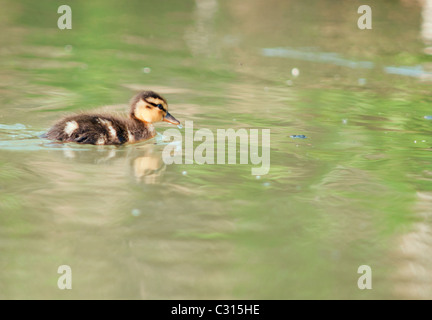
[{"x": 148, "y": 113}]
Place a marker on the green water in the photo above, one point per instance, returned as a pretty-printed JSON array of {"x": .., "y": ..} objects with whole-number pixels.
[{"x": 356, "y": 192}]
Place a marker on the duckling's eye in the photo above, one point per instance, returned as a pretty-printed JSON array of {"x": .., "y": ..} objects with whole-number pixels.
[{"x": 160, "y": 106}]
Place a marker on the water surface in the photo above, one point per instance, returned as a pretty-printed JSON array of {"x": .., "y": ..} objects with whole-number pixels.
[{"x": 355, "y": 191}]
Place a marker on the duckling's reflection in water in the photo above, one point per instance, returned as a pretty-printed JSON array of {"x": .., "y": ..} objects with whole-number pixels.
[
  {"x": 149, "y": 167},
  {"x": 145, "y": 160}
]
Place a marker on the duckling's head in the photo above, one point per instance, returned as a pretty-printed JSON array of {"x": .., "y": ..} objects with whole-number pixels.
[{"x": 149, "y": 107}]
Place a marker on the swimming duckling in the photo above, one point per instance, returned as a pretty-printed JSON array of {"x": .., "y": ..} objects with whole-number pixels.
[{"x": 147, "y": 107}]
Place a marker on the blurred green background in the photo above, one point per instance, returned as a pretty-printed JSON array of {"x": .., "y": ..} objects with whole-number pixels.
[{"x": 356, "y": 192}]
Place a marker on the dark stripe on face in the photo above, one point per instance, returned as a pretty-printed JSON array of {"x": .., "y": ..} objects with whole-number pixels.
[{"x": 155, "y": 105}]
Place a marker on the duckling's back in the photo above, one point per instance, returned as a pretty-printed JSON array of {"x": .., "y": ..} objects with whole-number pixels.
[{"x": 91, "y": 129}]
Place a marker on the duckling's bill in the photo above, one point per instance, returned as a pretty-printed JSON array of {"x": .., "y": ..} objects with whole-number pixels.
[{"x": 170, "y": 119}]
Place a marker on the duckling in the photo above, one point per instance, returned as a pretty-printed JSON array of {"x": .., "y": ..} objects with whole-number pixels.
[{"x": 147, "y": 107}]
